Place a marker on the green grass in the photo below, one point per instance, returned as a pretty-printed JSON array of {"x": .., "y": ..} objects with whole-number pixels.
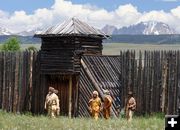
[{"x": 9, "y": 121}]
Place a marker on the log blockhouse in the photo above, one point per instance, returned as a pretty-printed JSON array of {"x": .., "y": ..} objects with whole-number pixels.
[{"x": 63, "y": 46}]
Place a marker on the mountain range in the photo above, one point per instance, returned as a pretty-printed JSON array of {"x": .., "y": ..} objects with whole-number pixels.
[
  {"x": 142, "y": 28},
  {"x": 6, "y": 31},
  {"x": 150, "y": 32}
]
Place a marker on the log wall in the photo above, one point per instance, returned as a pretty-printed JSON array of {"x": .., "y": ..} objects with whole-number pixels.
[
  {"x": 153, "y": 76},
  {"x": 61, "y": 55},
  {"x": 16, "y": 80}
]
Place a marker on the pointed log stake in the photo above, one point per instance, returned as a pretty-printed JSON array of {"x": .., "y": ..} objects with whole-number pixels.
[
  {"x": 30, "y": 80},
  {"x": 16, "y": 83},
  {"x": 70, "y": 97},
  {"x": 4, "y": 79},
  {"x": 94, "y": 82},
  {"x": 164, "y": 74}
]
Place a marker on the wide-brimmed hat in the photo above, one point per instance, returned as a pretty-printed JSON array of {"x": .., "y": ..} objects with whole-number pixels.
[
  {"x": 51, "y": 89},
  {"x": 95, "y": 93},
  {"x": 130, "y": 93}
]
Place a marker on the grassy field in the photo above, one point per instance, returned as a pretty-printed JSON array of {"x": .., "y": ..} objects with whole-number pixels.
[
  {"x": 9, "y": 121},
  {"x": 114, "y": 48}
]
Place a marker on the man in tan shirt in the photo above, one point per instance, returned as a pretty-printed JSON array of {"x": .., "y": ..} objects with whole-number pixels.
[
  {"x": 52, "y": 103},
  {"x": 130, "y": 106}
]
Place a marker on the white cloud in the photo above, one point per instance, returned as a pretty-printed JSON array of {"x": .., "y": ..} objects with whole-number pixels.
[
  {"x": 126, "y": 15},
  {"x": 160, "y": 16},
  {"x": 61, "y": 10},
  {"x": 176, "y": 12}
]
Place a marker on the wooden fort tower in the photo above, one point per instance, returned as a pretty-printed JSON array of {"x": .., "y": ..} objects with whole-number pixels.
[{"x": 59, "y": 62}]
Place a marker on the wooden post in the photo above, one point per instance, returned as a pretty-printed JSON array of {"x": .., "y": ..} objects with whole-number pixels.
[
  {"x": 70, "y": 96},
  {"x": 16, "y": 83},
  {"x": 178, "y": 86},
  {"x": 4, "y": 79},
  {"x": 30, "y": 80},
  {"x": 164, "y": 78}
]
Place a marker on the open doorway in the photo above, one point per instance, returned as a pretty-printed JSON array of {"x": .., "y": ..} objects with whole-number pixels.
[{"x": 68, "y": 98}]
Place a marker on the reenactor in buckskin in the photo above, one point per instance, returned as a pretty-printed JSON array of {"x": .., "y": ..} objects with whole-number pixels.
[
  {"x": 95, "y": 105},
  {"x": 130, "y": 106},
  {"x": 47, "y": 101},
  {"x": 107, "y": 104},
  {"x": 52, "y": 103}
]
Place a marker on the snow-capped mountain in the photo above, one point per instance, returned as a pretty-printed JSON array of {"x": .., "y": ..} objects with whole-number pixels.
[
  {"x": 29, "y": 32},
  {"x": 144, "y": 28},
  {"x": 4, "y": 31},
  {"x": 157, "y": 28},
  {"x": 109, "y": 29},
  {"x": 26, "y": 33}
]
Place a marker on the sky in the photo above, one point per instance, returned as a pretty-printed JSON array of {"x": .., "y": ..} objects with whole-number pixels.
[{"x": 20, "y": 15}]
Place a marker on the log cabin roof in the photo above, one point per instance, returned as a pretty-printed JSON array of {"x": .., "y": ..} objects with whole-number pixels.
[
  {"x": 98, "y": 73},
  {"x": 72, "y": 27}
]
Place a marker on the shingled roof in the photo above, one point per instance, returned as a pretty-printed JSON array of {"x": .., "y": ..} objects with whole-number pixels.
[{"x": 72, "y": 27}]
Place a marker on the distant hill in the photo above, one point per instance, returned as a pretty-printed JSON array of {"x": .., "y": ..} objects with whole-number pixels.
[
  {"x": 140, "y": 39},
  {"x": 23, "y": 39},
  {"x": 144, "y": 39},
  {"x": 142, "y": 28}
]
